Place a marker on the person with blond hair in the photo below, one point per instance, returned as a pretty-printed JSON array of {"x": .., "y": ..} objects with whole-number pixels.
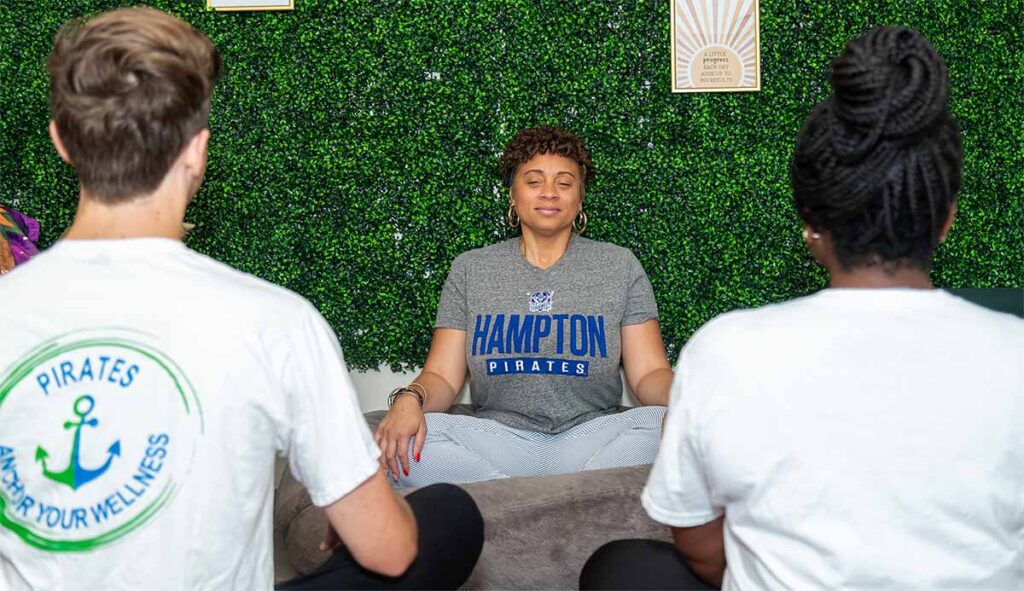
[{"x": 149, "y": 388}]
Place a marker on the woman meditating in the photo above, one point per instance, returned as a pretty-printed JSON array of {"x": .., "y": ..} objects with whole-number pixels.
[{"x": 542, "y": 324}]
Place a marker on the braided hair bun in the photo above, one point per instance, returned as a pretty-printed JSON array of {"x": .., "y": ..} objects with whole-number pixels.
[{"x": 878, "y": 164}]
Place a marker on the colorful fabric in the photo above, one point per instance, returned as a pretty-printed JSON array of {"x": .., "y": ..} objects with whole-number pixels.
[{"x": 18, "y": 236}]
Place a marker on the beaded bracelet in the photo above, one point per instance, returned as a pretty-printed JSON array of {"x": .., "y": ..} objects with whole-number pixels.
[{"x": 405, "y": 390}]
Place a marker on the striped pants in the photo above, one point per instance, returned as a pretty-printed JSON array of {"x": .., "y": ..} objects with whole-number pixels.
[{"x": 461, "y": 448}]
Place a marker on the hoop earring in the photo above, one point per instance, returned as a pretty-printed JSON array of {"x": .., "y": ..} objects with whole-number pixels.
[
  {"x": 579, "y": 225},
  {"x": 513, "y": 217}
]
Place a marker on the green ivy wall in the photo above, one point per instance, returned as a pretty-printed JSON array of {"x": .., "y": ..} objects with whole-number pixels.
[{"x": 355, "y": 144}]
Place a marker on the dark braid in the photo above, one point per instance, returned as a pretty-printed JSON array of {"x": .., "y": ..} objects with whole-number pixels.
[{"x": 878, "y": 164}]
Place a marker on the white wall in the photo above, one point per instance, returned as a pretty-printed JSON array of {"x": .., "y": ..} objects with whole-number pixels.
[{"x": 374, "y": 386}]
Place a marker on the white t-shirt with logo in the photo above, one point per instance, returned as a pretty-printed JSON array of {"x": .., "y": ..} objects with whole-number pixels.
[
  {"x": 145, "y": 391},
  {"x": 854, "y": 439}
]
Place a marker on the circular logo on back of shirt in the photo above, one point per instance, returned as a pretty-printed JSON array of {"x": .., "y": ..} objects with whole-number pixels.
[{"x": 97, "y": 432}]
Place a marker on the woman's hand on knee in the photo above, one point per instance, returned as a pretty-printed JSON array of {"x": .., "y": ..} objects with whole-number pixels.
[{"x": 403, "y": 422}]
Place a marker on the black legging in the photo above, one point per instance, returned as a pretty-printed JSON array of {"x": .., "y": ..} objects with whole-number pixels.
[
  {"x": 451, "y": 535},
  {"x": 639, "y": 564}
]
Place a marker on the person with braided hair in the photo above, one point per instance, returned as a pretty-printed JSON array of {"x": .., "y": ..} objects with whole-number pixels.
[
  {"x": 867, "y": 436},
  {"x": 877, "y": 167}
]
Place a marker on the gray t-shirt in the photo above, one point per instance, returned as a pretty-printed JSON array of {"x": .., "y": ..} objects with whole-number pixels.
[{"x": 543, "y": 344}]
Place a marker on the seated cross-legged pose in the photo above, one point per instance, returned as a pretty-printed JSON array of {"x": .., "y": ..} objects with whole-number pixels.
[
  {"x": 868, "y": 436},
  {"x": 146, "y": 389},
  {"x": 542, "y": 323}
]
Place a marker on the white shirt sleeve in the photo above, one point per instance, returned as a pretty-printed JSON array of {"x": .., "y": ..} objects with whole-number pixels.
[
  {"x": 330, "y": 449},
  {"x": 678, "y": 493}
]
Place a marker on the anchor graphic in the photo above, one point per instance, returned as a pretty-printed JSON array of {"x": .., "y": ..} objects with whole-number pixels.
[{"x": 75, "y": 475}]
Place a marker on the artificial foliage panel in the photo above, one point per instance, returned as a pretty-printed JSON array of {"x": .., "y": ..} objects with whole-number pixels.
[{"x": 355, "y": 143}]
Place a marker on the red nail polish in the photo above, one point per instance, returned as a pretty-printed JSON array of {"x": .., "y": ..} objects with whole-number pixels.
[
  {"x": 417, "y": 456},
  {"x": 406, "y": 471}
]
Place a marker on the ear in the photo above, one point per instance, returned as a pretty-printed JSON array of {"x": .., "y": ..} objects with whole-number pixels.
[
  {"x": 59, "y": 143},
  {"x": 810, "y": 235},
  {"x": 193, "y": 157},
  {"x": 948, "y": 224},
  {"x": 819, "y": 244}
]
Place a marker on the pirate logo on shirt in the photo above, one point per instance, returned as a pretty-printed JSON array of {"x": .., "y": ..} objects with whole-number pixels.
[
  {"x": 97, "y": 432},
  {"x": 540, "y": 301}
]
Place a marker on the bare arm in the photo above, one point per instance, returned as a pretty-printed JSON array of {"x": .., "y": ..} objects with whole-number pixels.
[
  {"x": 703, "y": 550},
  {"x": 444, "y": 372},
  {"x": 377, "y": 526},
  {"x": 647, "y": 369},
  {"x": 442, "y": 378}
]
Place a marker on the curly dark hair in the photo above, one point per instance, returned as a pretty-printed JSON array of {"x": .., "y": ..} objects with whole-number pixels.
[
  {"x": 879, "y": 163},
  {"x": 544, "y": 140}
]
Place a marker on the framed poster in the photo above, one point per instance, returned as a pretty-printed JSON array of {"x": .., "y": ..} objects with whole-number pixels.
[
  {"x": 716, "y": 46},
  {"x": 236, "y": 5}
]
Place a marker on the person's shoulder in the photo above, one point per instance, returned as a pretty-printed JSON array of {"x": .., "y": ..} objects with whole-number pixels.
[
  {"x": 607, "y": 255},
  {"x": 744, "y": 327},
  {"x": 485, "y": 254},
  {"x": 41, "y": 272},
  {"x": 238, "y": 287},
  {"x": 26, "y": 273},
  {"x": 606, "y": 249},
  {"x": 999, "y": 323}
]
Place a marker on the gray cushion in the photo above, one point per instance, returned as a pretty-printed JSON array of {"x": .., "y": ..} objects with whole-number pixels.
[{"x": 539, "y": 530}]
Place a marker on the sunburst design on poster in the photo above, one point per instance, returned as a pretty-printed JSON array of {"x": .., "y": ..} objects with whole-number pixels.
[{"x": 716, "y": 46}]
